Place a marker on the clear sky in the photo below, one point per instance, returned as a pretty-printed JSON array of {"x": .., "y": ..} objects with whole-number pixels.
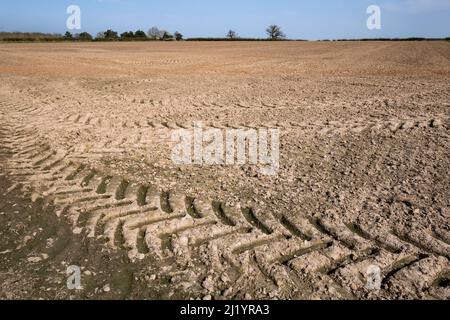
[{"x": 300, "y": 19}]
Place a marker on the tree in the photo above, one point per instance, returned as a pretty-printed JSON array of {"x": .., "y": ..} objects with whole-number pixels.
[
  {"x": 178, "y": 36},
  {"x": 84, "y": 36},
  {"x": 100, "y": 35},
  {"x": 68, "y": 36},
  {"x": 154, "y": 33},
  {"x": 111, "y": 35},
  {"x": 140, "y": 34},
  {"x": 127, "y": 35},
  {"x": 166, "y": 36},
  {"x": 232, "y": 34},
  {"x": 275, "y": 33}
]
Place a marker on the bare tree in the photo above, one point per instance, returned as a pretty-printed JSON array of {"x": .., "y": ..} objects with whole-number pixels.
[
  {"x": 232, "y": 34},
  {"x": 275, "y": 33},
  {"x": 154, "y": 33},
  {"x": 100, "y": 35}
]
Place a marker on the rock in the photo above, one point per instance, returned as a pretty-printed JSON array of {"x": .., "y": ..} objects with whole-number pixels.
[
  {"x": 208, "y": 284},
  {"x": 77, "y": 231},
  {"x": 35, "y": 197},
  {"x": 34, "y": 259},
  {"x": 228, "y": 292},
  {"x": 50, "y": 242},
  {"x": 186, "y": 285},
  {"x": 224, "y": 277},
  {"x": 273, "y": 294}
]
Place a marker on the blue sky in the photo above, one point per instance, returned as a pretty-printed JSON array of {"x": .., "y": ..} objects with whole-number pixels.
[{"x": 300, "y": 19}]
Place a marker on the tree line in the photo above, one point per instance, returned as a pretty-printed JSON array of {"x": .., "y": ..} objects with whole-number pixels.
[
  {"x": 152, "y": 34},
  {"x": 273, "y": 32}
]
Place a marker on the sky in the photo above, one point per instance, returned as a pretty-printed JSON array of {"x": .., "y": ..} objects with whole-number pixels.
[{"x": 299, "y": 19}]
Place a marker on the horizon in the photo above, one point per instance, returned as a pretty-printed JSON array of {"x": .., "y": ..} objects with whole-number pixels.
[{"x": 202, "y": 19}]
